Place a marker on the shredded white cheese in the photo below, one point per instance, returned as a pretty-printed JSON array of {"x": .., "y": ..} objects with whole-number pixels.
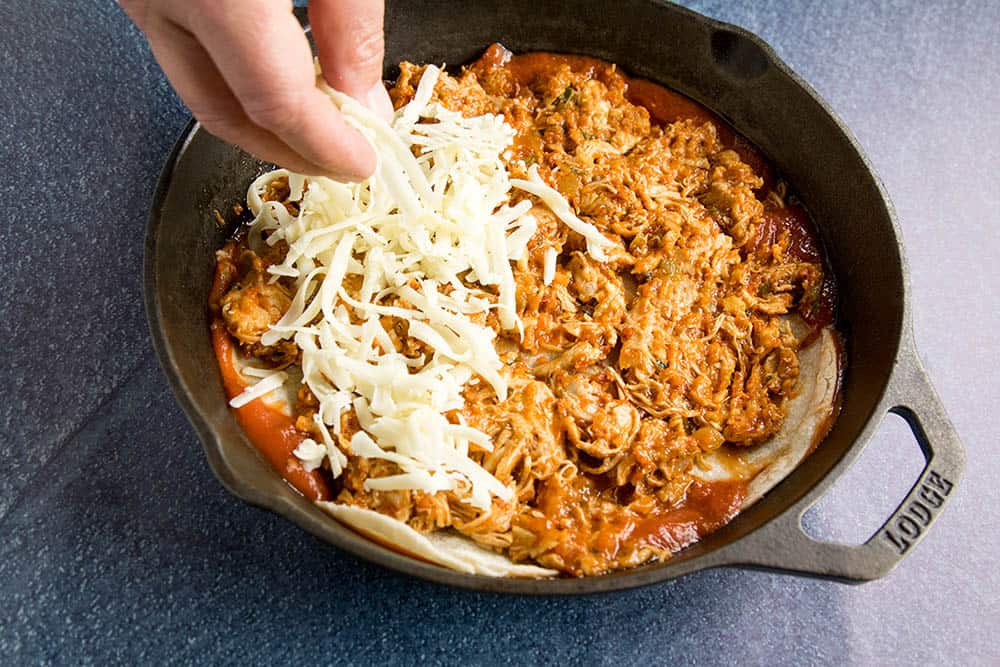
[
  {"x": 549, "y": 266},
  {"x": 596, "y": 242},
  {"x": 259, "y": 389},
  {"x": 311, "y": 453},
  {"x": 414, "y": 236}
]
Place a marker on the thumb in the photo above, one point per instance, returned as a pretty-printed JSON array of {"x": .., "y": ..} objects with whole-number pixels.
[{"x": 349, "y": 40}]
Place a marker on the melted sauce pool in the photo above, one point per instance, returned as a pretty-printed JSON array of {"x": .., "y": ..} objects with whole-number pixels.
[{"x": 706, "y": 508}]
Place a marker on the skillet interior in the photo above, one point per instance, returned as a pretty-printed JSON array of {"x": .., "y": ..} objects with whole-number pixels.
[{"x": 724, "y": 68}]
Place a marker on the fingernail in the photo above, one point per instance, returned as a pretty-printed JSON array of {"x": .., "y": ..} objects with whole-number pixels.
[
  {"x": 339, "y": 173},
  {"x": 341, "y": 177},
  {"x": 377, "y": 99},
  {"x": 355, "y": 170}
]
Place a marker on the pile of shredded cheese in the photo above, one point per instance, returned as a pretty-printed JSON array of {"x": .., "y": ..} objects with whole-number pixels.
[{"x": 418, "y": 225}]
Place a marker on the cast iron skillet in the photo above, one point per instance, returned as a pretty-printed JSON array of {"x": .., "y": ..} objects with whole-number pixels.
[{"x": 739, "y": 77}]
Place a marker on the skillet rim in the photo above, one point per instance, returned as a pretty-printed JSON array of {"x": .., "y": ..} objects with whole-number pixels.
[{"x": 724, "y": 555}]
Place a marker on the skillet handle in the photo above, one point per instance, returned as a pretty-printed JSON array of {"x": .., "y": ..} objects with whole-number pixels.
[{"x": 782, "y": 544}]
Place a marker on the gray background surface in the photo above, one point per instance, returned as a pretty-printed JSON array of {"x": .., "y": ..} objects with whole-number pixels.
[{"x": 117, "y": 544}]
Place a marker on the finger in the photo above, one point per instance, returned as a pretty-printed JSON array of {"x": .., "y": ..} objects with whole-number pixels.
[
  {"x": 350, "y": 45},
  {"x": 206, "y": 94},
  {"x": 262, "y": 54}
]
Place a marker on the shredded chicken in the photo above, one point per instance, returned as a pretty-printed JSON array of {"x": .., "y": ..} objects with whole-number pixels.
[
  {"x": 628, "y": 370},
  {"x": 251, "y": 306}
]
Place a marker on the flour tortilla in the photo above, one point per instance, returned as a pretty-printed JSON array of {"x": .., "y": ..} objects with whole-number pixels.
[
  {"x": 445, "y": 548},
  {"x": 809, "y": 416}
]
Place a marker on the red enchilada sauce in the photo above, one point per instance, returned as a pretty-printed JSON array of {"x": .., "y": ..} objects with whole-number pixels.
[
  {"x": 270, "y": 430},
  {"x": 706, "y": 506}
]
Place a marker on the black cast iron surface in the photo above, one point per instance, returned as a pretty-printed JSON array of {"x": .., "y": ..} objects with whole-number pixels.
[{"x": 116, "y": 543}]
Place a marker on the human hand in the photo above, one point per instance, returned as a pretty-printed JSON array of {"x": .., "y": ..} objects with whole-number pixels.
[{"x": 245, "y": 70}]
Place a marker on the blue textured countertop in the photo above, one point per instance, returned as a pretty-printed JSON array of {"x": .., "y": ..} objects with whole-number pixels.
[{"x": 118, "y": 545}]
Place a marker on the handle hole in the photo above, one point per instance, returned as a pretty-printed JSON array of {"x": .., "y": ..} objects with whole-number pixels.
[{"x": 855, "y": 507}]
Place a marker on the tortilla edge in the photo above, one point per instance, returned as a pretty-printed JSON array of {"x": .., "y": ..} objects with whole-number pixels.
[{"x": 453, "y": 551}]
